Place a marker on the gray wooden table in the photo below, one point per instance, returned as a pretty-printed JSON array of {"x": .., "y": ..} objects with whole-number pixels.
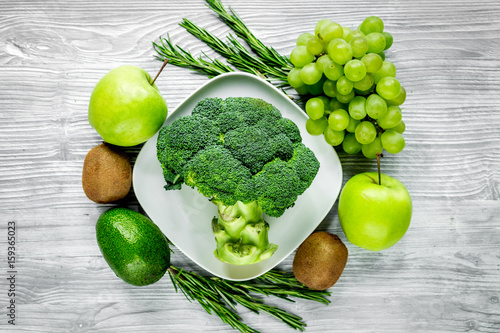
[{"x": 444, "y": 276}]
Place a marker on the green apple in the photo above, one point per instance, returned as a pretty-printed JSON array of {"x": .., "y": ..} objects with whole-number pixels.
[
  {"x": 125, "y": 108},
  {"x": 373, "y": 216}
]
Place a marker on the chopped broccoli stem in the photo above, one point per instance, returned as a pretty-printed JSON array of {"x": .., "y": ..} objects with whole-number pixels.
[{"x": 241, "y": 234}]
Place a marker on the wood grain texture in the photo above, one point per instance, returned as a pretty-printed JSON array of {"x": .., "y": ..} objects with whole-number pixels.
[{"x": 444, "y": 276}]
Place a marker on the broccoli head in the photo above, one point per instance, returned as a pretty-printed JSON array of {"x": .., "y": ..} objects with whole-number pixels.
[{"x": 247, "y": 159}]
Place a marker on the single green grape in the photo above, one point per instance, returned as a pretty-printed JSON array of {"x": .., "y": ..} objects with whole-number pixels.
[
  {"x": 302, "y": 90},
  {"x": 387, "y": 69},
  {"x": 400, "y": 128},
  {"x": 388, "y": 40},
  {"x": 398, "y": 100},
  {"x": 382, "y": 55},
  {"x": 316, "y": 89},
  {"x": 339, "y": 50},
  {"x": 365, "y": 132},
  {"x": 310, "y": 74},
  {"x": 320, "y": 25},
  {"x": 345, "y": 32},
  {"x": 393, "y": 141},
  {"x": 333, "y": 71},
  {"x": 333, "y": 137},
  {"x": 294, "y": 79},
  {"x": 323, "y": 61},
  {"x": 359, "y": 46},
  {"x": 357, "y": 108},
  {"x": 315, "y": 108},
  {"x": 354, "y": 34},
  {"x": 376, "y": 106},
  {"x": 330, "y": 88},
  {"x": 344, "y": 85},
  {"x": 338, "y": 120},
  {"x": 373, "y": 62},
  {"x": 300, "y": 56},
  {"x": 353, "y": 123},
  {"x": 355, "y": 70},
  {"x": 336, "y": 104},
  {"x": 366, "y": 83},
  {"x": 350, "y": 145},
  {"x": 376, "y": 42},
  {"x": 391, "y": 118},
  {"x": 346, "y": 99},
  {"x": 303, "y": 38},
  {"x": 371, "y": 149},
  {"x": 315, "y": 46},
  {"x": 326, "y": 104},
  {"x": 316, "y": 127},
  {"x": 388, "y": 87},
  {"x": 372, "y": 24},
  {"x": 331, "y": 31}
]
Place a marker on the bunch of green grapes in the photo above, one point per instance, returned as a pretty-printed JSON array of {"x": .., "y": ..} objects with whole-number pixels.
[{"x": 353, "y": 96}]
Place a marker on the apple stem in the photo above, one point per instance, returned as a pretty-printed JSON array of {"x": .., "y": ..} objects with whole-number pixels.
[
  {"x": 379, "y": 155},
  {"x": 158, "y": 74}
]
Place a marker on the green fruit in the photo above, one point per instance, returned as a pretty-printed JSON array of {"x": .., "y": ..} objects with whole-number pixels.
[
  {"x": 133, "y": 246},
  {"x": 373, "y": 216},
  {"x": 124, "y": 108}
]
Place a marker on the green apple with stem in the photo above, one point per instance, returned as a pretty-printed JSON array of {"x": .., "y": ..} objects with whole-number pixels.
[
  {"x": 374, "y": 210},
  {"x": 126, "y": 108}
]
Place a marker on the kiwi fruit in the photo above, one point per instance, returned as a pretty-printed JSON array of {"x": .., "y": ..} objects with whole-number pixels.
[
  {"x": 320, "y": 260},
  {"x": 107, "y": 174}
]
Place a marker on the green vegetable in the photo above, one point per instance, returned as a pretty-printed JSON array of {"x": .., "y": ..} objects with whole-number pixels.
[
  {"x": 249, "y": 160},
  {"x": 133, "y": 246}
]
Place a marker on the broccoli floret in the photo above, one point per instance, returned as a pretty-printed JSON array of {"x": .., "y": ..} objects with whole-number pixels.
[
  {"x": 247, "y": 159},
  {"x": 251, "y": 110},
  {"x": 208, "y": 108},
  {"x": 180, "y": 141},
  {"x": 277, "y": 187},
  {"x": 305, "y": 165},
  {"x": 255, "y": 147},
  {"x": 216, "y": 174}
]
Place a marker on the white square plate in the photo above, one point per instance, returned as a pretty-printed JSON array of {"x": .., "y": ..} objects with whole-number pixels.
[{"x": 185, "y": 215}]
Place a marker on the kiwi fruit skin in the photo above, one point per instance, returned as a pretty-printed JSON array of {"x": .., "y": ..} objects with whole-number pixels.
[
  {"x": 106, "y": 174},
  {"x": 320, "y": 260}
]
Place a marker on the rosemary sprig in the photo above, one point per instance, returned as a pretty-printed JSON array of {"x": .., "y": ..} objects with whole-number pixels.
[
  {"x": 267, "y": 63},
  {"x": 220, "y": 296},
  {"x": 269, "y": 55},
  {"x": 182, "y": 58},
  {"x": 235, "y": 53}
]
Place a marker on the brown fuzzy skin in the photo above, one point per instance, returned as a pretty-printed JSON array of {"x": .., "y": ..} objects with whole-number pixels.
[
  {"x": 320, "y": 260},
  {"x": 107, "y": 174}
]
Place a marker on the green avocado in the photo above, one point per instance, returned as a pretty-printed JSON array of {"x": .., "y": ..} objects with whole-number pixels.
[{"x": 133, "y": 246}]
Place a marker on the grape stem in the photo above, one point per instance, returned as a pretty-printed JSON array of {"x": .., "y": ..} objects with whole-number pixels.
[
  {"x": 379, "y": 155},
  {"x": 161, "y": 69}
]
